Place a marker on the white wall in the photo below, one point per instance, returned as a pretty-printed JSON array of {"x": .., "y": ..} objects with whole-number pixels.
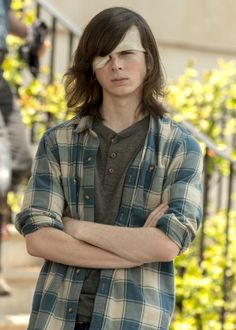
[{"x": 200, "y": 30}]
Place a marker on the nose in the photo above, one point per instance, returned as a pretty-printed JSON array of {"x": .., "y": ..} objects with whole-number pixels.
[{"x": 116, "y": 63}]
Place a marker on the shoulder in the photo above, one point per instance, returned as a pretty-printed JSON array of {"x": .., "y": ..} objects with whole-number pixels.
[
  {"x": 64, "y": 126},
  {"x": 174, "y": 137},
  {"x": 59, "y": 138},
  {"x": 58, "y": 142},
  {"x": 65, "y": 132},
  {"x": 169, "y": 128}
]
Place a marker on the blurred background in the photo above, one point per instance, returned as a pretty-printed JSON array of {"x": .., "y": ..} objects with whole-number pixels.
[
  {"x": 202, "y": 31},
  {"x": 185, "y": 30},
  {"x": 196, "y": 41}
]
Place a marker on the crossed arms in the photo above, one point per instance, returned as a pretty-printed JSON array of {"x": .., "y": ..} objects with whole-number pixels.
[{"x": 92, "y": 245}]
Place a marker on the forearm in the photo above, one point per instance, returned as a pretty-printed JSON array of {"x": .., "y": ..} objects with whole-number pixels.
[
  {"x": 135, "y": 244},
  {"x": 16, "y": 27},
  {"x": 57, "y": 246}
]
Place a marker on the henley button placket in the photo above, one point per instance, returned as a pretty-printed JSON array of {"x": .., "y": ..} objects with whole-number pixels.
[
  {"x": 113, "y": 155},
  {"x": 113, "y": 139}
]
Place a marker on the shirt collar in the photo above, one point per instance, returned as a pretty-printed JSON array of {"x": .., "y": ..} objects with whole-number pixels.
[{"x": 85, "y": 123}]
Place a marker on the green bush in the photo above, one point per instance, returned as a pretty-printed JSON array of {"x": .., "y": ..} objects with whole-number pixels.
[
  {"x": 208, "y": 101},
  {"x": 199, "y": 286}
]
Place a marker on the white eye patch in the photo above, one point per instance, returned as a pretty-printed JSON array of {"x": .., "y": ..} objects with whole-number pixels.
[{"x": 131, "y": 41}]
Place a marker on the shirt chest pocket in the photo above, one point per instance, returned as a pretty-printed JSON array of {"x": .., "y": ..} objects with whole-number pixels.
[
  {"x": 70, "y": 187},
  {"x": 150, "y": 188}
]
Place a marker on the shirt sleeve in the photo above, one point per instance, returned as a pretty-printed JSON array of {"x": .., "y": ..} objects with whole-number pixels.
[
  {"x": 183, "y": 192},
  {"x": 43, "y": 203}
]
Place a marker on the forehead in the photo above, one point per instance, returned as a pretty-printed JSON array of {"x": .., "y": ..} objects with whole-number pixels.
[{"x": 130, "y": 41}]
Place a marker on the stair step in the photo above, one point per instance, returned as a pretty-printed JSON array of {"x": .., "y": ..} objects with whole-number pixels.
[
  {"x": 15, "y": 309},
  {"x": 22, "y": 274},
  {"x": 20, "y": 271}
]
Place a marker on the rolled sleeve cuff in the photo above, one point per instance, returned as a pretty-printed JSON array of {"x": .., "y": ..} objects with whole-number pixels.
[
  {"x": 181, "y": 234},
  {"x": 29, "y": 221}
]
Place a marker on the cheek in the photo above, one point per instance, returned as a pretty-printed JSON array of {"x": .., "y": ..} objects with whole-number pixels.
[
  {"x": 99, "y": 77},
  {"x": 141, "y": 69},
  {"x": 142, "y": 73},
  {"x": 99, "y": 73}
]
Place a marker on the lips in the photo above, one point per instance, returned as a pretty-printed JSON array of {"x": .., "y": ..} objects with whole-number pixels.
[{"x": 119, "y": 79}]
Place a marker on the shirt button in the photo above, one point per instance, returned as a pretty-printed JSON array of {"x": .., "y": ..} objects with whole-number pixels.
[
  {"x": 111, "y": 170},
  {"x": 113, "y": 155},
  {"x": 77, "y": 271},
  {"x": 86, "y": 197},
  {"x": 151, "y": 168},
  {"x": 70, "y": 310},
  {"x": 89, "y": 158}
]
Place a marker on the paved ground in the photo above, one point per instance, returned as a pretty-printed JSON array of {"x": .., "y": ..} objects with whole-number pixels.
[{"x": 21, "y": 272}]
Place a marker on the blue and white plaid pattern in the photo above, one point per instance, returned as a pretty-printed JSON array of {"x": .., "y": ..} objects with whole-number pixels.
[{"x": 168, "y": 168}]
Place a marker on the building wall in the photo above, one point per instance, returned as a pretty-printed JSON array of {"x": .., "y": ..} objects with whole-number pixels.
[{"x": 186, "y": 30}]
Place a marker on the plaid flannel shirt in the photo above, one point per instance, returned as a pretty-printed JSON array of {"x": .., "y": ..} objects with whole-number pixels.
[{"x": 168, "y": 168}]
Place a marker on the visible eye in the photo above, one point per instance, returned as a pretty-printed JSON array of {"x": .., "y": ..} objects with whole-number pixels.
[{"x": 127, "y": 52}]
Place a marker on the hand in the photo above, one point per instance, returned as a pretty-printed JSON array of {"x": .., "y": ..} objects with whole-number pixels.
[
  {"x": 155, "y": 215},
  {"x": 43, "y": 49}
]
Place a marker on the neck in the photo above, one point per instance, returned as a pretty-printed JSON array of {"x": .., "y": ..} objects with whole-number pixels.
[{"x": 120, "y": 114}]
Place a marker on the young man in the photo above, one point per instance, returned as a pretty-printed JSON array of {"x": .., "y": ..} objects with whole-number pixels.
[{"x": 115, "y": 193}]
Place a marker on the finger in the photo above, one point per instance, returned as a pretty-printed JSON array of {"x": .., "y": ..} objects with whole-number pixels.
[
  {"x": 158, "y": 211},
  {"x": 156, "y": 215},
  {"x": 160, "y": 208}
]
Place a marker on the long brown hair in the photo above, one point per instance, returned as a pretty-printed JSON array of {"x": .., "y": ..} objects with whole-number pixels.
[{"x": 102, "y": 34}]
